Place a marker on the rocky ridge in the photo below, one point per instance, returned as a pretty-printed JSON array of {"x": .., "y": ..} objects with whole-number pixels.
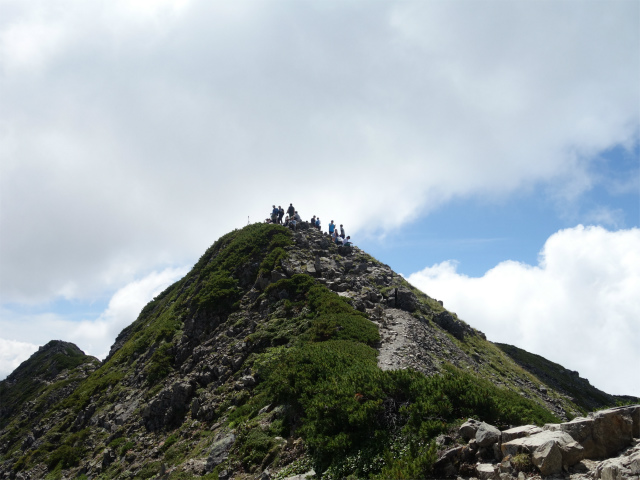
[
  {"x": 603, "y": 445},
  {"x": 170, "y": 399}
]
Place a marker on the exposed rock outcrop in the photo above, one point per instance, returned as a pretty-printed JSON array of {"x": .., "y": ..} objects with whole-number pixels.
[{"x": 575, "y": 445}]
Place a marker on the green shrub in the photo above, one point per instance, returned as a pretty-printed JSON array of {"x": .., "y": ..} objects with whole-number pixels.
[
  {"x": 125, "y": 448},
  {"x": 159, "y": 364},
  {"x": 297, "y": 287},
  {"x": 334, "y": 386},
  {"x": 413, "y": 462},
  {"x": 219, "y": 293},
  {"x": 344, "y": 326},
  {"x": 114, "y": 444},
  {"x": 254, "y": 446},
  {"x": 64, "y": 455},
  {"x": 522, "y": 462},
  {"x": 272, "y": 260},
  {"x": 148, "y": 471},
  {"x": 171, "y": 439}
]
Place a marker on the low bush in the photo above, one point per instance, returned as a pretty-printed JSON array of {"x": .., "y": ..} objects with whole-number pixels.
[
  {"x": 159, "y": 364},
  {"x": 65, "y": 455}
]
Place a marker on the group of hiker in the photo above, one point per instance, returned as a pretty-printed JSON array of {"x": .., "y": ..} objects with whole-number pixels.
[{"x": 292, "y": 219}]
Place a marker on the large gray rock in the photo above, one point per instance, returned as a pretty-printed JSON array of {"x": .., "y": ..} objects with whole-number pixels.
[
  {"x": 548, "y": 458},
  {"x": 519, "y": 432},
  {"x": 612, "y": 431},
  {"x": 446, "y": 465},
  {"x": 632, "y": 411},
  {"x": 406, "y": 300},
  {"x": 614, "y": 469},
  {"x": 303, "y": 476},
  {"x": 486, "y": 471},
  {"x": 487, "y": 435},
  {"x": 469, "y": 428},
  {"x": 220, "y": 451},
  {"x": 452, "y": 325},
  {"x": 603, "y": 433},
  {"x": 545, "y": 449}
]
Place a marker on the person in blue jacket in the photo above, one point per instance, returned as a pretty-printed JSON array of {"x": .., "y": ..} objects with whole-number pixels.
[{"x": 332, "y": 227}]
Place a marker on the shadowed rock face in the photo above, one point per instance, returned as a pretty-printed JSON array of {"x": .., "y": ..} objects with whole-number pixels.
[{"x": 177, "y": 380}]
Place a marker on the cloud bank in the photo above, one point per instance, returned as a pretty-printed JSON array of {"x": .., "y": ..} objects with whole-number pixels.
[
  {"x": 135, "y": 133},
  {"x": 93, "y": 335},
  {"x": 578, "y": 307}
]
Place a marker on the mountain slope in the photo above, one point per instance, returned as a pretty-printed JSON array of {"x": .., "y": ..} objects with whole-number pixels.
[
  {"x": 568, "y": 382},
  {"x": 278, "y": 351},
  {"x": 50, "y": 373}
]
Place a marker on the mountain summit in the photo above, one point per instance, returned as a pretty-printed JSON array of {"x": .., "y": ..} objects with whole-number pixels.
[{"x": 278, "y": 353}]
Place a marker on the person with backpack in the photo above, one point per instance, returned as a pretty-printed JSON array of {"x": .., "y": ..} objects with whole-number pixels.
[
  {"x": 291, "y": 210},
  {"x": 280, "y": 213},
  {"x": 274, "y": 214}
]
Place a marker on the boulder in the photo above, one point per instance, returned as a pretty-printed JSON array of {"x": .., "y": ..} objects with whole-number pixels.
[
  {"x": 469, "y": 428},
  {"x": 487, "y": 435},
  {"x": 548, "y": 449},
  {"x": 634, "y": 463},
  {"x": 632, "y": 411},
  {"x": 548, "y": 458},
  {"x": 303, "y": 476},
  {"x": 406, "y": 300},
  {"x": 220, "y": 451},
  {"x": 603, "y": 433},
  {"x": 446, "y": 464},
  {"x": 519, "y": 432},
  {"x": 486, "y": 471},
  {"x": 613, "y": 469},
  {"x": 612, "y": 431},
  {"x": 452, "y": 325}
]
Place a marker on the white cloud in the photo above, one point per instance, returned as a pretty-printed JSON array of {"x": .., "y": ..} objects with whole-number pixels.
[
  {"x": 22, "y": 332},
  {"x": 12, "y": 354},
  {"x": 578, "y": 307},
  {"x": 146, "y": 130}
]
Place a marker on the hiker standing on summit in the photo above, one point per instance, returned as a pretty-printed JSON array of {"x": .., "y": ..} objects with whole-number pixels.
[
  {"x": 332, "y": 227},
  {"x": 280, "y": 213},
  {"x": 291, "y": 210}
]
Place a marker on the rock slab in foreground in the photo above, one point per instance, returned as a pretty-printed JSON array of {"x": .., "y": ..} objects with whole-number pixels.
[{"x": 549, "y": 450}]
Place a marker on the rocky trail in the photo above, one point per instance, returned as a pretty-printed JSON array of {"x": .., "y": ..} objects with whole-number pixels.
[{"x": 393, "y": 340}]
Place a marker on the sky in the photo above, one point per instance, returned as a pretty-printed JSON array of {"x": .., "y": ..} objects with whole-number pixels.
[{"x": 488, "y": 150}]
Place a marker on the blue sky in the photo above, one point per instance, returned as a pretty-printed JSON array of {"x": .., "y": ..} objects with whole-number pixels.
[
  {"x": 479, "y": 232},
  {"x": 499, "y": 176}
]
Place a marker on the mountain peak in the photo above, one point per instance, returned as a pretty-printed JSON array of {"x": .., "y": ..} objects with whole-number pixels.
[{"x": 278, "y": 351}]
